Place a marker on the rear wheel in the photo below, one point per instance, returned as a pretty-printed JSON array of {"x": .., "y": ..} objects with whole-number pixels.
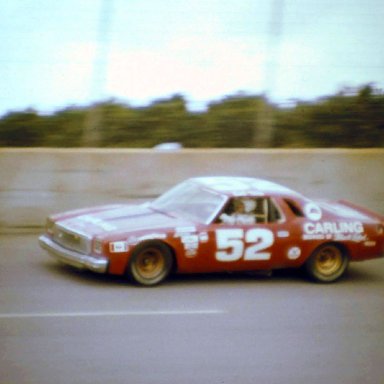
[
  {"x": 327, "y": 264},
  {"x": 150, "y": 264}
]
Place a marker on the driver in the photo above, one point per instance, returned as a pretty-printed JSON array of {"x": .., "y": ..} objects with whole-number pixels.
[{"x": 242, "y": 213}]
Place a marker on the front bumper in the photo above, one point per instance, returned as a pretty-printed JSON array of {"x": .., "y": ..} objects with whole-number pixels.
[{"x": 75, "y": 259}]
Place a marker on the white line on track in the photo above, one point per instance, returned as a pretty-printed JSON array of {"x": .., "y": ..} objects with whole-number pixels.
[{"x": 113, "y": 313}]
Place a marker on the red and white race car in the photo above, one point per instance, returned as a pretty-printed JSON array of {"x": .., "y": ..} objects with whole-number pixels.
[{"x": 217, "y": 224}]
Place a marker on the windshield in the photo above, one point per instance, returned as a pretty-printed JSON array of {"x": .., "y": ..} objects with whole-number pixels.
[{"x": 190, "y": 200}]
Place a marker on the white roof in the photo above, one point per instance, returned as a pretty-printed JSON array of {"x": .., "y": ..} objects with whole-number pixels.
[{"x": 243, "y": 185}]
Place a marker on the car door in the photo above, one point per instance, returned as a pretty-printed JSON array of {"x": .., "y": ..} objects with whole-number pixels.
[{"x": 245, "y": 245}]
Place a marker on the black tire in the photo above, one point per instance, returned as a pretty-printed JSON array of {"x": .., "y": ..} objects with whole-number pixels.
[
  {"x": 150, "y": 264},
  {"x": 327, "y": 264}
]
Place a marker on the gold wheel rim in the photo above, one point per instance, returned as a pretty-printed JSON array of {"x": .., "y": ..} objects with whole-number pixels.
[
  {"x": 150, "y": 263},
  {"x": 328, "y": 261}
]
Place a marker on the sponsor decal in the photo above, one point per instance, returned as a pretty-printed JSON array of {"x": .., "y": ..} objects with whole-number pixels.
[
  {"x": 118, "y": 247},
  {"x": 344, "y": 230},
  {"x": 313, "y": 211},
  {"x": 251, "y": 245},
  {"x": 189, "y": 238},
  {"x": 283, "y": 234},
  {"x": 191, "y": 244},
  {"x": 294, "y": 253},
  {"x": 356, "y": 237},
  {"x": 203, "y": 237}
]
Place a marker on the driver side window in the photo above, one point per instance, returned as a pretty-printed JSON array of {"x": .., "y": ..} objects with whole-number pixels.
[{"x": 249, "y": 210}]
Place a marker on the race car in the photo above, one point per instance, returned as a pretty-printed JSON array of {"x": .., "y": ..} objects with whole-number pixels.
[{"x": 217, "y": 224}]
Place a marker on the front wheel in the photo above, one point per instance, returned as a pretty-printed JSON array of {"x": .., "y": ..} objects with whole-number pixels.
[
  {"x": 150, "y": 263},
  {"x": 327, "y": 264}
]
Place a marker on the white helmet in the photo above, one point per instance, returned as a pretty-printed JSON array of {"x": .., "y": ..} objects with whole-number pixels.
[{"x": 249, "y": 205}]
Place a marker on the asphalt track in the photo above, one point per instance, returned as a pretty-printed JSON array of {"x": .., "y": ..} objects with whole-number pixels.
[{"x": 59, "y": 325}]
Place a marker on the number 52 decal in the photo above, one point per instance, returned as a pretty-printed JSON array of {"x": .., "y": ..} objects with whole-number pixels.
[{"x": 233, "y": 244}]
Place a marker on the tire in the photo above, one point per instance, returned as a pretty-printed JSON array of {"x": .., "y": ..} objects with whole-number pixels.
[
  {"x": 150, "y": 264},
  {"x": 327, "y": 264}
]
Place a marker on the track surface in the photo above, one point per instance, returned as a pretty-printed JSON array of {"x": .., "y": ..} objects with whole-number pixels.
[{"x": 58, "y": 325}]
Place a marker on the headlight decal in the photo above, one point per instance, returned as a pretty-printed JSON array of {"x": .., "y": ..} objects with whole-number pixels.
[{"x": 98, "y": 246}]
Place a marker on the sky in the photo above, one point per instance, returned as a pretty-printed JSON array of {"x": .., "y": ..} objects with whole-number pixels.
[{"x": 56, "y": 54}]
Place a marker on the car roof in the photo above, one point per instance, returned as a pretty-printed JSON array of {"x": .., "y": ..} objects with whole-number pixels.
[{"x": 236, "y": 186}]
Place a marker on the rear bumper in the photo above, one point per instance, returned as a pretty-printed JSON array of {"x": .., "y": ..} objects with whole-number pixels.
[{"x": 75, "y": 259}]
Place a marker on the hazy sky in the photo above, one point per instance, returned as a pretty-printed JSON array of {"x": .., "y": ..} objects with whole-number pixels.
[{"x": 52, "y": 55}]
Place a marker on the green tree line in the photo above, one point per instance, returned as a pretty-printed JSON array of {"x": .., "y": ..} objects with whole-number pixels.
[{"x": 347, "y": 119}]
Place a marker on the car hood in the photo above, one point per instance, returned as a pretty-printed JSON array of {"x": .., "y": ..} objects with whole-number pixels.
[{"x": 120, "y": 219}]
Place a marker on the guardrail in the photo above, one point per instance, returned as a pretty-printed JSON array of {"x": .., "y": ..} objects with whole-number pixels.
[{"x": 35, "y": 182}]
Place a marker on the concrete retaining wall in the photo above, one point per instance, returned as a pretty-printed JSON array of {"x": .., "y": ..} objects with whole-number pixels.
[{"x": 36, "y": 182}]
